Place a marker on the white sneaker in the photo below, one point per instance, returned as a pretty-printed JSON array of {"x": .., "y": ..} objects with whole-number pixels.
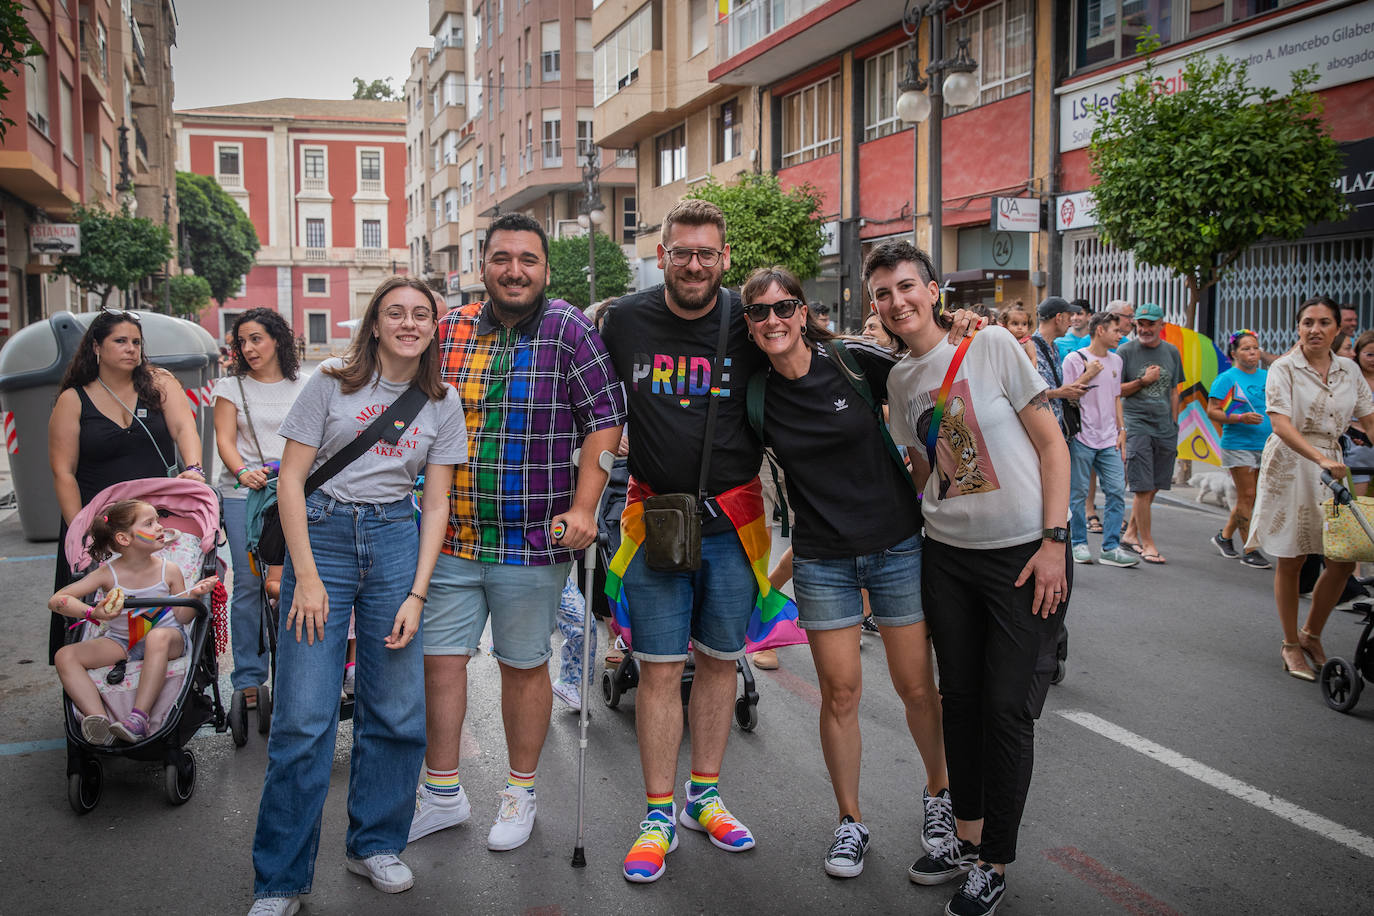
[
  {"x": 275, "y": 906},
  {"x": 387, "y": 873},
  {"x": 96, "y": 730},
  {"x": 437, "y": 812},
  {"x": 514, "y": 820},
  {"x": 569, "y": 693}
]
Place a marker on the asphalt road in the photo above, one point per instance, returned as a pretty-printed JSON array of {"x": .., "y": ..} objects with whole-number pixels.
[{"x": 1178, "y": 771}]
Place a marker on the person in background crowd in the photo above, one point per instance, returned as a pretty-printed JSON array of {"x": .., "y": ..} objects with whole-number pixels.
[
  {"x": 1101, "y": 443},
  {"x": 1125, "y": 316},
  {"x": 535, "y": 384},
  {"x": 1343, "y": 345},
  {"x": 1361, "y": 453},
  {"x": 873, "y": 329},
  {"x": 1077, "y": 335},
  {"x": 1055, "y": 313},
  {"x": 1310, "y": 396},
  {"x": 1236, "y": 403},
  {"x": 249, "y": 407},
  {"x": 1017, "y": 321},
  {"x": 1350, "y": 321},
  {"x": 1152, "y": 369}
]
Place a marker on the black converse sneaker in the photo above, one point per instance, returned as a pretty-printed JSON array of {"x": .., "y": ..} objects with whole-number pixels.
[
  {"x": 947, "y": 861},
  {"x": 1224, "y": 546},
  {"x": 980, "y": 895},
  {"x": 846, "y": 856},
  {"x": 938, "y": 821}
]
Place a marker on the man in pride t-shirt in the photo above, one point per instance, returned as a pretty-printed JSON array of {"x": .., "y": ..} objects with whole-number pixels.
[{"x": 664, "y": 342}]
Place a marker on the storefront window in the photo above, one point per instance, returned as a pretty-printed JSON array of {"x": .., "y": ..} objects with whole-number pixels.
[{"x": 1109, "y": 29}]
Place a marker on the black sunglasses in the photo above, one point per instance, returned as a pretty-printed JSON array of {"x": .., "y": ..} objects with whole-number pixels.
[{"x": 783, "y": 308}]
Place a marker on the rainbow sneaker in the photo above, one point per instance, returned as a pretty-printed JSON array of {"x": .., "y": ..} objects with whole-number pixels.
[
  {"x": 708, "y": 814},
  {"x": 645, "y": 863}
]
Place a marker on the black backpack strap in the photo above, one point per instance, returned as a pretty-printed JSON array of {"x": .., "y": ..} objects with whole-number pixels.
[
  {"x": 389, "y": 427},
  {"x": 753, "y": 402},
  {"x": 854, "y": 374}
]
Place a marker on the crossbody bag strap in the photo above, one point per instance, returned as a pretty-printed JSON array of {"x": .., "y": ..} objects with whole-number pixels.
[
  {"x": 390, "y": 426},
  {"x": 723, "y": 306},
  {"x": 753, "y": 403},
  {"x": 248, "y": 415},
  {"x": 854, "y": 374},
  {"x": 942, "y": 398}
]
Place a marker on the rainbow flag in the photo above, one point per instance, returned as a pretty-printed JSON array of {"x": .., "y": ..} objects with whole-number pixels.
[
  {"x": 142, "y": 621},
  {"x": 1199, "y": 439},
  {"x": 1197, "y": 436},
  {"x": 1234, "y": 402},
  {"x": 774, "y": 620}
]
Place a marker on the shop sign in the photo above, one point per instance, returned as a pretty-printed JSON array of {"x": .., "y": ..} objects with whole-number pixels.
[
  {"x": 1356, "y": 184},
  {"x": 1339, "y": 45},
  {"x": 55, "y": 238},
  {"x": 1015, "y": 214},
  {"x": 832, "y": 239},
  {"x": 1075, "y": 211},
  {"x": 454, "y": 282}
]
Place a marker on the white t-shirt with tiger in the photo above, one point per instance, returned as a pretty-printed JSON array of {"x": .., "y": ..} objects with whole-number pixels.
[{"x": 985, "y": 491}]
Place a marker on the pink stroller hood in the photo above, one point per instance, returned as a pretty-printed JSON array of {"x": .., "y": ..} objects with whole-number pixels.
[{"x": 195, "y": 504}]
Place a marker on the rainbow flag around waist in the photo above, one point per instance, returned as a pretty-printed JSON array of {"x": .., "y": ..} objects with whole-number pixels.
[{"x": 774, "y": 619}]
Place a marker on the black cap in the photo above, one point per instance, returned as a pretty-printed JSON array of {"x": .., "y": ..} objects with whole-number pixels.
[{"x": 1056, "y": 305}]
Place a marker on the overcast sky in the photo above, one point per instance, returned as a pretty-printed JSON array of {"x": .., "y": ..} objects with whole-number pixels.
[{"x": 232, "y": 51}]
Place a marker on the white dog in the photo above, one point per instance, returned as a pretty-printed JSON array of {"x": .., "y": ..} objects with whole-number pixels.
[{"x": 1215, "y": 487}]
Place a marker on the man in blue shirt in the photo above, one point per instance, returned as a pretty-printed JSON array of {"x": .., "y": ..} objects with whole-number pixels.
[{"x": 1077, "y": 336}]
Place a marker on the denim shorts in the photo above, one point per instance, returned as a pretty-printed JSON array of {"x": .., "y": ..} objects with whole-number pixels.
[
  {"x": 827, "y": 589},
  {"x": 711, "y": 606},
  {"x": 522, "y": 602},
  {"x": 1240, "y": 458}
]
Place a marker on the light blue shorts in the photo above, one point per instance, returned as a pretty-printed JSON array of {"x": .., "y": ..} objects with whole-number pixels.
[
  {"x": 521, "y": 601},
  {"x": 827, "y": 589}
]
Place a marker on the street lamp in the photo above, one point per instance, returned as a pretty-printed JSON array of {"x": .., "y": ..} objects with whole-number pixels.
[
  {"x": 591, "y": 213},
  {"x": 914, "y": 105}
]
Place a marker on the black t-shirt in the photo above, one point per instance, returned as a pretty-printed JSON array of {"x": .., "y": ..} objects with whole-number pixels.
[
  {"x": 849, "y": 496},
  {"x": 665, "y": 364}
]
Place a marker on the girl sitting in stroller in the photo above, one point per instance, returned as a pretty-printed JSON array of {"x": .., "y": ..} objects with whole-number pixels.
[{"x": 131, "y": 531}]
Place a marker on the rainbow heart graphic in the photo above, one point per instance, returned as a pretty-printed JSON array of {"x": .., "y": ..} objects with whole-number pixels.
[
  {"x": 399, "y": 424},
  {"x": 686, "y": 402}
]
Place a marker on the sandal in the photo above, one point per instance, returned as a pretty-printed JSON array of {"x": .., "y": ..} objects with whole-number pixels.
[
  {"x": 1304, "y": 673},
  {"x": 1094, "y": 524},
  {"x": 1311, "y": 646},
  {"x": 250, "y": 698},
  {"x": 1153, "y": 557},
  {"x": 1132, "y": 546}
]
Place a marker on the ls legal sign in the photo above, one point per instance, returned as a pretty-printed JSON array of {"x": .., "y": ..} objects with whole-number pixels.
[{"x": 1015, "y": 214}]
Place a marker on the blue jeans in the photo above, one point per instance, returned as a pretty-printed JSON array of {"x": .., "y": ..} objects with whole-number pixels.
[
  {"x": 245, "y": 607},
  {"x": 828, "y": 589},
  {"x": 1111, "y": 477},
  {"x": 366, "y": 560},
  {"x": 712, "y": 605}
]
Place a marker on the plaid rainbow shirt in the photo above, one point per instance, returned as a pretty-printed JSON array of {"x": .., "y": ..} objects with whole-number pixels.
[{"x": 530, "y": 394}]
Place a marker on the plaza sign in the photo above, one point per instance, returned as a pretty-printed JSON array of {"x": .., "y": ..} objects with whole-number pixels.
[{"x": 1339, "y": 45}]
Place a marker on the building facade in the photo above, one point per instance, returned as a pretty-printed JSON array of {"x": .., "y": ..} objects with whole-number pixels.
[
  {"x": 91, "y": 125},
  {"x": 324, "y": 183}
]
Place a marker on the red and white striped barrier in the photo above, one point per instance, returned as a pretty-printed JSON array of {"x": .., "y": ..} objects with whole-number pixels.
[
  {"x": 200, "y": 397},
  {"x": 11, "y": 433}
]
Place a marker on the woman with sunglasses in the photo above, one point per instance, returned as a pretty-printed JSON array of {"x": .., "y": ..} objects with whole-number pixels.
[
  {"x": 994, "y": 469},
  {"x": 250, "y": 404},
  {"x": 353, "y": 543},
  {"x": 846, "y": 539},
  {"x": 117, "y": 418}
]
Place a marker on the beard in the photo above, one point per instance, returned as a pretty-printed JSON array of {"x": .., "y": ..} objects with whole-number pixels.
[
  {"x": 509, "y": 308},
  {"x": 683, "y": 297}
]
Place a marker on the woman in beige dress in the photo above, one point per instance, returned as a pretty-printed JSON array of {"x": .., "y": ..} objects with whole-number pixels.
[{"x": 1310, "y": 396}]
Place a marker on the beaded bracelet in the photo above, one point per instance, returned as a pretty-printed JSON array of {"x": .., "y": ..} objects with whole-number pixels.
[
  {"x": 197, "y": 468},
  {"x": 423, "y": 599}
]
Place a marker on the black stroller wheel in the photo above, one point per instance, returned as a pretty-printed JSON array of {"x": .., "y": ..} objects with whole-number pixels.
[
  {"x": 180, "y": 776},
  {"x": 1341, "y": 684},
  {"x": 610, "y": 690},
  {"x": 84, "y": 787},
  {"x": 264, "y": 709},
  {"x": 746, "y": 714},
  {"x": 238, "y": 718}
]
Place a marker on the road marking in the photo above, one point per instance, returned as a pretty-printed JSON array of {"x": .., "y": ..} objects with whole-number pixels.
[
  {"x": 39, "y": 556},
  {"x": 1290, "y": 812},
  {"x": 1108, "y": 883},
  {"x": 30, "y": 747}
]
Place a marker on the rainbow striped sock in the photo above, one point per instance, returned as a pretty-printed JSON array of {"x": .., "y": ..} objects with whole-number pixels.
[
  {"x": 700, "y": 783},
  {"x": 442, "y": 782},
  {"x": 518, "y": 780},
  {"x": 663, "y": 804}
]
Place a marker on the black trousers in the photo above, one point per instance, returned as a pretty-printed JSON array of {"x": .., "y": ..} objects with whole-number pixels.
[{"x": 996, "y": 659}]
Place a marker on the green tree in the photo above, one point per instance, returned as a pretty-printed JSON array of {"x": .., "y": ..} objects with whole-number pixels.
[
  {"x": 375, "y": 91},
  {"x": 117, "y": 251},
  {"x": 186, "y": 293},
  {"x": 568, "y": 268},
  {"x": 1189, "y": 181},
  {"x": 766, "y": 225},
  {"x": 16, "y": 44},
  {"x": 218, "y": 239}
]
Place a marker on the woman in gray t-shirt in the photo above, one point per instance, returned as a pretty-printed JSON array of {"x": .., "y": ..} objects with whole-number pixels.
[{"x": 353, "y": 543}]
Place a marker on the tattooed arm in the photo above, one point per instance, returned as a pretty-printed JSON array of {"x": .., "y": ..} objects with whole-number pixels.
[{"x": 1047, "y": 566}]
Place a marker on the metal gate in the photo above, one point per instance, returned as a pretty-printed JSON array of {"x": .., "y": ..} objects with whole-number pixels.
[{"x": 1262, "y": 292}]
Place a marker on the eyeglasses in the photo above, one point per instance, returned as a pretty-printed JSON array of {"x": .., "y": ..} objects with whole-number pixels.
[
  {"x": 783, "y": 308},
  {"x": 396, "y": 315},
  {"x": 121, "y": 313},
  {"x": 681, "y": 257}
]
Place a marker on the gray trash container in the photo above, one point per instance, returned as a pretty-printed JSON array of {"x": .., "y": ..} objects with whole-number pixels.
[{"x": 32, "y": 364}]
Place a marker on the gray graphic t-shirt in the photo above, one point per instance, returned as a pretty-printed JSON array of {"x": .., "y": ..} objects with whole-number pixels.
[{"x": 1147, "y": 411}]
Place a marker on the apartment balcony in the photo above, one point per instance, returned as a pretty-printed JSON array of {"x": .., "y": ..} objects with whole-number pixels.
[
  {"x": 446, "y": 235},
  {"x": 653, "y": 102},
  {"x": 314, "y": 254},
  {"x": 145, "y": 96},
  {"x": 445, "y": 176},
  {"x": 230, "y": 183},
  {"x": 370, "y": 188},
  {"x": 762, "y": 41},
  {"x": 313, "y": 187},
  {"x": 371, "y": 255},
  {"x": 95, "y": 65},
  {"x": 140, "y": 55},
  {"x": 445, "y": 58},
  {"x": 450, "y": 117},
  {"x": 437, "y": 10}
]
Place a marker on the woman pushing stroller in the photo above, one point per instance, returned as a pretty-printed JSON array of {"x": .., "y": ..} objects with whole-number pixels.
[{"x": 131, "y": 528}]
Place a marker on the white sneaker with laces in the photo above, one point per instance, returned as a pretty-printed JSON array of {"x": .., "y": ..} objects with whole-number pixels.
[
  {"x": 514, "y": 820},
  {"x": 96, "y": 730},
  {"x": 387, "y": 873},
  {"x": 437, "y": 812},
  {"x": 569, "y": 693},
  {"x": 275, "y": 906}
]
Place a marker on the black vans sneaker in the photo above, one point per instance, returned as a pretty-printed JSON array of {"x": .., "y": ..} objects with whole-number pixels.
[
  {"x": 946, "y": 861},
  {"x": 1224, "y": 546},
  {"x": 980, "y": 895},
  {"x": 846, "y": 856},
  {"x": 1255, "y": 560}
]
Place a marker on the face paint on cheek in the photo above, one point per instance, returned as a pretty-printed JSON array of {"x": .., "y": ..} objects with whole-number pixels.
[{"x": 147, "y": 538}]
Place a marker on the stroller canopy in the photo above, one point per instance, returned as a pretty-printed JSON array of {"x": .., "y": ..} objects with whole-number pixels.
[{"x": 194, "y": 503}]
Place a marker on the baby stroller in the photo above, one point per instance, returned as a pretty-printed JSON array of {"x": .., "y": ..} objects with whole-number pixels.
[
  {"x": 625, "y": 676},
  {"x": 1342, "y": 681},
  {"x": 190, "y": 697}
]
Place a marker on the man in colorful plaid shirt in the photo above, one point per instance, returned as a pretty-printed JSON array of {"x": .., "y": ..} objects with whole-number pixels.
[{"x": 536, "y": 384}]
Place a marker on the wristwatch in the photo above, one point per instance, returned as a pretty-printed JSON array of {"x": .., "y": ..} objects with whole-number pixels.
[{"x": 1058, "y": 535}]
